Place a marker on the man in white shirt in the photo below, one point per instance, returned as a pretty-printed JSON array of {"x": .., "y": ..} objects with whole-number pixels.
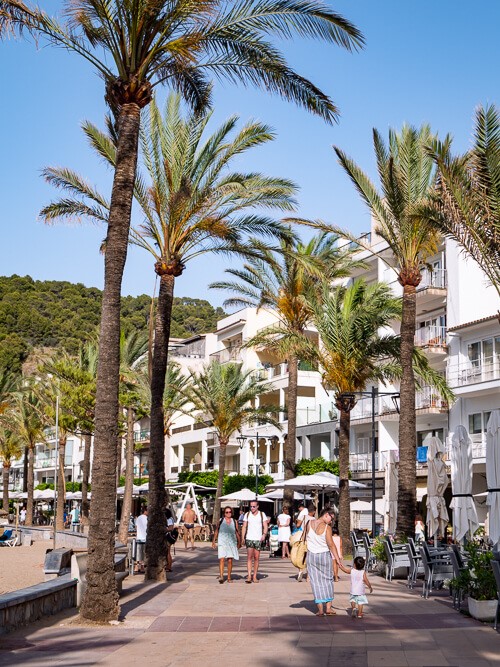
[
  {"x": 141, "y": 527},
  {"x": 255, "y": 525},
  {"x": 302, "y": 515}
]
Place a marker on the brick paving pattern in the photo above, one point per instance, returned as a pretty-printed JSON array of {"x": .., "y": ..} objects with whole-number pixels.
[{"x": 194, "y": 620}]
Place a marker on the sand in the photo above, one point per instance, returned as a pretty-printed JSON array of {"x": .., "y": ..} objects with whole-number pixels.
[{"x": 21, "y": 567}]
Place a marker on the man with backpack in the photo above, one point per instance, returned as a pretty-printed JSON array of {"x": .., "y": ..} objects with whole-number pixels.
[{"x": 255, "y": 525}]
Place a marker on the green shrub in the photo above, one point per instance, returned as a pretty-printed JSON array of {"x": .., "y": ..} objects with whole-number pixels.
[
  {"x": 477, "y": 580},
  {"x": 319, "y": 464}
]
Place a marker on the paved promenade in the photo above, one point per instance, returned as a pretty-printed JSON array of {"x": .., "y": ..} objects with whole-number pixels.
[{"x": 194, "y": 620}]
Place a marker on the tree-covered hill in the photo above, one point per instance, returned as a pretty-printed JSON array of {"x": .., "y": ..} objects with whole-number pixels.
[{"x": 52, "y": 313}]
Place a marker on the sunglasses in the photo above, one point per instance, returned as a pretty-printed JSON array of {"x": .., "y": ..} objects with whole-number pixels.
[
  {"x": 253, "y": 507},
  {"x": 229, "y": 512}
]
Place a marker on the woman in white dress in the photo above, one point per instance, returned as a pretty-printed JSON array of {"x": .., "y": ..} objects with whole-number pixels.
[{"x": 284, "y": 531}]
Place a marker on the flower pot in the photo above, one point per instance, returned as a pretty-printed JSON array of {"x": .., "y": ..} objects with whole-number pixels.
[{"x": 483, "y": 610}]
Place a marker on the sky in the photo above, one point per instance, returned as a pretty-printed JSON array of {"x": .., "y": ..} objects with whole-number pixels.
[{"x": 424, "y": 62}]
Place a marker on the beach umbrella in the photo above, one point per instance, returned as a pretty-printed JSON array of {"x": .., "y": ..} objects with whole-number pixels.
[
  {"x": 391, "y": 490},
  {"x": 277, "y": 494},
  {"x": 243, "y": 495},
  {"x": 465, "y": 519},
  {"x": 437, "y": 483},
  {"x": 493, "y": 474}
]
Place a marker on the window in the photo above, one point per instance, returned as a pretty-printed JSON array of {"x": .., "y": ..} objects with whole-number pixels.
[
  {"x": 478, "y": 421},
  {"x": 484, "y": 357}
]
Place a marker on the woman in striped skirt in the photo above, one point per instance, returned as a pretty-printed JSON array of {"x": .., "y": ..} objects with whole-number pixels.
[{"x": 320, "y": 549}]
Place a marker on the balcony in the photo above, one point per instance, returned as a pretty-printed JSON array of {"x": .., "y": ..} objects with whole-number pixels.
[
  {"x": 44, "y": 462},
  {"x": 363, "y": 462},
  {"x": 432, "y": 338},
  {"x": 227, "y": 355},
  {"x": 429, "y": 398},
  {"x": 474, "y": 371},
  {"x": 431, "y": 293},
  {"x": 478, "y": 446},
  {"x": 141, "y": 436},
  {"x": 435, "y": 279}
]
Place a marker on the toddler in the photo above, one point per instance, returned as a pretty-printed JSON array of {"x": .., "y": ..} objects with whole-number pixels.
[{"x": 359, "y": 580}]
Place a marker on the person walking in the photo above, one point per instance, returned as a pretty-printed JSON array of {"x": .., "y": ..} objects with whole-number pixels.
[
  {"x": 359, "y": 581},
  {"x": 301, "y": 515},
  {"x": 337, "y": 540},
  {"x": 141, "y": 527},
  {"x": 311, "y": 513},
  {"x": 188, "y": 518},
  {"x": 284, "y": 531},
  {"x": 255, "y": 526},
  {"x": 320, "y": 550},
  {"x": 228, "y": 538}
]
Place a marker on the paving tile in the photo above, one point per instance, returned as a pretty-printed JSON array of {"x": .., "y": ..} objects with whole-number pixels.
[
  {"x": 166, "y": 624},
  {"x": 386, "y": 658},
  {"x": 432, "y": 658}
]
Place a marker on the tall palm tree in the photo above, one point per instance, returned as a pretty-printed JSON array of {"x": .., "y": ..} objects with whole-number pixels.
[
  {"x": 407, "y": 179},
  {"x": 468, "y": 193},
  {"x": 193, "y": 205},
  {"x": 135, "y": 46},
  {"x": 226, "y": 395},
  {"x": 10, "y": 449},
  {"x": 8, "y": 387},
  {"x": 279, "y": 282},
  {"x": 28, "y": 423}
]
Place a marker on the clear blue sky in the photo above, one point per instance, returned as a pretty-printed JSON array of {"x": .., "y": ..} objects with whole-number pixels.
[{"x": 424, "y": 61}]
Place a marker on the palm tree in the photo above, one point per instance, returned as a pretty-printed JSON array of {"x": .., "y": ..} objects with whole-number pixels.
[
  {"x": 194, "y": 205},
  {"x": 10, "y": 449},
  {"x": 135, "y": 46},
  {"x": 407, "y": 177},
  {"x": 175, "y": 399},
  {"x": 279, "y": 282},
  {"x": 468, "y": 194},
  {"x": 351, "y": 354},
  {"x": 8, "y": 388},
  {"x": 28, "y": 424},
  {"x": 226, "y": 395}
]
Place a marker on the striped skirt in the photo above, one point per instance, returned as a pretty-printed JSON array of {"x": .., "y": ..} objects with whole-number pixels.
[{"x": 320, "y": 571}]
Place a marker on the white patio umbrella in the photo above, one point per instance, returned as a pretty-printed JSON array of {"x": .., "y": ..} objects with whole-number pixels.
[
  {"x": 364, "y": 506},
  {"x": 278, "y": 495},
  {"x": 465, "y": 519},
  {"x": 244, "y": 495},
  {"x": 493, "y": 474},
  {"x": 437, "y": 483},
  {"x": 120, "y": 491},
  {"x": 391, "y": 491}
]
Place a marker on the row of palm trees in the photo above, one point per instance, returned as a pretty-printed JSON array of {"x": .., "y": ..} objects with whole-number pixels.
[{"x": 135, "y": 46}]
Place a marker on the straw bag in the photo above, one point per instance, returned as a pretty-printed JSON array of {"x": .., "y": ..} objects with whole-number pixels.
[{"x": 299, "y": 552}]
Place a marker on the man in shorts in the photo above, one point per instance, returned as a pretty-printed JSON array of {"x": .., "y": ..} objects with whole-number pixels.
[
  {"x": 188, "y": 519},
  {"x": 255, "y": 525}
]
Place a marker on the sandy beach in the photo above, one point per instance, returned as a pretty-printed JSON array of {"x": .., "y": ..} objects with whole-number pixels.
[{"x": 22, "y": 566}]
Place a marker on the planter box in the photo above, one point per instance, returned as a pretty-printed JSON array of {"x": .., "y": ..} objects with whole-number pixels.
[{"x": 483, "y": 610}]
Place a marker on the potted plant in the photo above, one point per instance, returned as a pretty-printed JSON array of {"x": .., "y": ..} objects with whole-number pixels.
[{"x": 478, "y": 581}]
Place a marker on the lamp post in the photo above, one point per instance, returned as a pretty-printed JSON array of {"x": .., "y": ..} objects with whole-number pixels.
[
  {"x": 56, "y": 463},
  {"x": 241, "y": 441},
  {"x": 374, "y": 394}
]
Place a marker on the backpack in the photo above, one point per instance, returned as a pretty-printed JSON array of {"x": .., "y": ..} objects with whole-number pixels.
[{"x": 172, "y": 536}]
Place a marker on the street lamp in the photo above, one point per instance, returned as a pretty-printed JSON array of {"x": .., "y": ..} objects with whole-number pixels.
[
  {"x": 374, "y": 394},
  {"x": 241, "y": 441}
]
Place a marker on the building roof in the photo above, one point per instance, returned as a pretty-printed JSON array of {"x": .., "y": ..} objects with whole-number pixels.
[
  {"x": 489, "y": 318},
  {"x": 230, "y": 326}
]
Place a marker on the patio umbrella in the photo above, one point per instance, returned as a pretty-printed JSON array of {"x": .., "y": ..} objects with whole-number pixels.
[
  {"x": 244, "y": 495},
  {"x": 278, "y": 495},
  {"x": 464, "y": 510},
  {"x": 364, "y": 506},
  {"x": 493, "y": 474},
  {"x": 391, "y": 490},
  {"x": 437, "y": 482}
]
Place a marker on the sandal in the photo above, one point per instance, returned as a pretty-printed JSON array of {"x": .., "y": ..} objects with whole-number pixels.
[
  {"x": 331, "y": 613},
  {"x": 248, "y": 580},
  {"x": 318, "y": 613},
  {"x": 221, "y": 580}
]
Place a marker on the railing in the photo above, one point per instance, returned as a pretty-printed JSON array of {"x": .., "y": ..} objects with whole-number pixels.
[
  {"x": 365, "y": 239},
  {"x": 429, "y": 397},
  {"x": 141, "y": 436},
  {"x": 435, "y": 279},
  {"x": 227, "y": 354},
  {"x": 431, "y": 336},
  {"x": 45, "y": 463},
  {"x": 181, "y": 429},
  {"x": 478, "y": 447},
  {"x": 477, "y": 370},
  {"x": 363, "y": 462},
  {"x": 363, "y": 408}
]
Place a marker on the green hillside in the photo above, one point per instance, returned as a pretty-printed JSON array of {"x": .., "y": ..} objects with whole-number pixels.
[{"x": 50, "y": 313}]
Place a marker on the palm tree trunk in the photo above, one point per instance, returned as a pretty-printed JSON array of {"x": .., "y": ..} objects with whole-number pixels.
[
  {"x": 5, "y": 483},
  {"x": 100, "y": 603},
  {"x": 344, "y": 495},
  {"x": 407, "y": 419},
  {"x": 31, "y": 486},
  {"x": 290, "y": 446},
  {"x": 25, "y": 469},
  {"x": 61, "y": 485},
  {"x": 156, "y": 546},
  {"x": 129, "y": 478},
  {"x": 220, "y": 478},
  {"x": 85, "y": 478}
]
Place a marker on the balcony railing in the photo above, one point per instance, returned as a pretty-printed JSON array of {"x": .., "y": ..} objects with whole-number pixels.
[
  {"x": 478, "y": 446},
  {"x": 227, "y": 354},
  {"x": 363, "y": 462},
  {"x": 141, "y": 436},
  {"x": 429, "y": 397},
  {"x": 433, "y": 279},
  {"x": 477, "y": 370},
  {"x": 44, "y": 463},
  {"x": 431, "y": 336}
]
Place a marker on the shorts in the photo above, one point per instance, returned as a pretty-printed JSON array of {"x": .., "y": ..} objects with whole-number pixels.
[
  {"x": 189, "y": 526},
  {"x": 254, "y": 544},
  {"x": 358, "y": 599}
]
